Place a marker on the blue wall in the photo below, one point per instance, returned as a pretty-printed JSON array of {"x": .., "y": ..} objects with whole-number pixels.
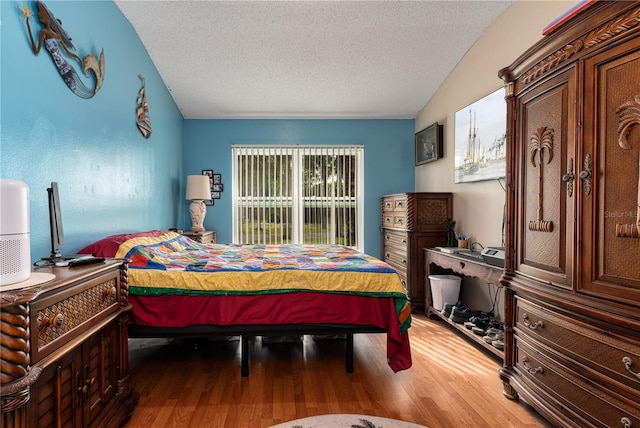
[
  {"x": 388, "y": 157},
  {"x": 110, "y": 178}
]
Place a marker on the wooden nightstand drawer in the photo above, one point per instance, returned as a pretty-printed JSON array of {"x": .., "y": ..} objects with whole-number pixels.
[
  {"x": 206, "y": 237},
  {"x": 59, "y": 318},
  {"x": 599, "y": 351}
]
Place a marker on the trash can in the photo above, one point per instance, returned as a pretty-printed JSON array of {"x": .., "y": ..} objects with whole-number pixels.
[{"x": 444, "y": 289}]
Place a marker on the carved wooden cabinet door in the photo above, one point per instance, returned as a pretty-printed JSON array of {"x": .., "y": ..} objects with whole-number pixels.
[
  {"x": 546, "y": 135},
  {"x": 610, "y": 178},
  {"x": 55, "y": 400},
  {"x": 99, "y": 376}
]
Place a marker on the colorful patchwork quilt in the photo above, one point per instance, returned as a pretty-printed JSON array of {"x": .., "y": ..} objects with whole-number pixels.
[{"x": 172, "y": 264}]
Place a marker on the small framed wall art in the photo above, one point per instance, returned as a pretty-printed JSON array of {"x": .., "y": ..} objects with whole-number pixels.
[
  {"x": 429, "y": 144},
  {"x": 209, "y": 173}
]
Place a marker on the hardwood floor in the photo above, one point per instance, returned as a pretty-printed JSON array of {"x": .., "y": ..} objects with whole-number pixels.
[{"x": 452, "y": 383}]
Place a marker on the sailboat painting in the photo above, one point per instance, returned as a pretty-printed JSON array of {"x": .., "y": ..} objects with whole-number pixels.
[{"x": 480, "y": 139}]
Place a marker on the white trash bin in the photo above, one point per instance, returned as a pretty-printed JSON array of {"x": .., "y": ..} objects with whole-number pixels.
[{"x": 444, "y": 289}]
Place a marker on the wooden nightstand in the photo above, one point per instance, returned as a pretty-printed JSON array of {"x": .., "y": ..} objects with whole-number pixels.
[{"x": 206, "y": 237}]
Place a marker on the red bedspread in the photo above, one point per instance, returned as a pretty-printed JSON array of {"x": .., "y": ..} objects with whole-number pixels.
[{"x": 290, "y": 308}]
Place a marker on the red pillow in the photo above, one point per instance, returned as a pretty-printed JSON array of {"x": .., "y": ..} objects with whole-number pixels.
[{"x": 108, "y": 247}]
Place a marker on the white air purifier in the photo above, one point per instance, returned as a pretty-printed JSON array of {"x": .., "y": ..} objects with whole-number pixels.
[{"x": 15, "y": 247}]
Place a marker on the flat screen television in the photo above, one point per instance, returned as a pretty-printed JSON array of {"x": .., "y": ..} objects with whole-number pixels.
[
  {"x": 55, "y": 221},
  {"x": 55, "y": 225}
]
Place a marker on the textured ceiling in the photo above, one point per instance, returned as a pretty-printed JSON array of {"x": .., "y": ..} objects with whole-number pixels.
[{"x": 306, "y": 59}]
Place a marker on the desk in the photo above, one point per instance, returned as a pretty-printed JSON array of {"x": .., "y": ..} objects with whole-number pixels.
[{"x": 438, "y": 263}]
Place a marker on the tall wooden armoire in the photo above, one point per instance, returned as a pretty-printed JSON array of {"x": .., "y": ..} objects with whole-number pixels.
[{"x": 572, "y": 278}]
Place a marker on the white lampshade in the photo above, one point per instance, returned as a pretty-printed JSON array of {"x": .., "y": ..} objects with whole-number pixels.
[{"x": 198, "y": 188}]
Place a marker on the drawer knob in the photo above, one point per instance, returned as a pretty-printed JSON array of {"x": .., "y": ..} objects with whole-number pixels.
[
  {"x": 55, "y": 321},
  {"x": 112, "y": 291},
  {"x": 625, "y": 422},
  {"x": 628, "y": 364},
  {"x": 532, "y": 326},
  {"x": 527, "y": 367}
]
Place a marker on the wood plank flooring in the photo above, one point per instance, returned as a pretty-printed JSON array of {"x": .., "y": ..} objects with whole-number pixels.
[{"x": 452, "y": 383}]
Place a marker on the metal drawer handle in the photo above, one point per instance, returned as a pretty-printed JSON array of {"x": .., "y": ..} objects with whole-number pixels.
[
  {"x": 404, "y": 241},
  {"x": 404, "y": 262},
  {"x": 530, "y": 369},
  {"x": 585, "y": 175},
  {"x": 568, "y": 177},
  {"x": 625, "y": 422},
  {"x": 537, "y": 326},
  {"x": 628, "y": 364}
]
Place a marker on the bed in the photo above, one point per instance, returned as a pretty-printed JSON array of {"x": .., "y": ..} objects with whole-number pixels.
[{"x": 181, "y": 288}]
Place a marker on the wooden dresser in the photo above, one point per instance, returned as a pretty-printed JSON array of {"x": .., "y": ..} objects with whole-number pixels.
[
  {"x": 573, "y": 233},
  {"x": 411, "y": 222},
  {"x": 64, "y": 350}
]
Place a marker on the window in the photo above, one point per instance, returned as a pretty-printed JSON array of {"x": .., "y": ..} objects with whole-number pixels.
[{"x": 298, "y": 195}]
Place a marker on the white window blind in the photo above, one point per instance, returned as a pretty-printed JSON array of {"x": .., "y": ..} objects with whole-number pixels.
[{"x": 298, "y": 194}]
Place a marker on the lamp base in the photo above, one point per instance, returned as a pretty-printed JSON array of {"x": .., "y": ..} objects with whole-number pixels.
[{"x": 197, "y": 211}]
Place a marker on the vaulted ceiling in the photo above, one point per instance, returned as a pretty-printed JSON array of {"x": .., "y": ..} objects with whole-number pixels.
[{"x": 306, "y": 59}]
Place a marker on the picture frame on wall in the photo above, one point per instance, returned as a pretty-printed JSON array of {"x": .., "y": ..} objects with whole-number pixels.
[
  {"x": 217, "y": 178},
  {"x": 429, "y": 144},
  {"x": 209, "y": 173},
  {"x": 480, "y": 139}
]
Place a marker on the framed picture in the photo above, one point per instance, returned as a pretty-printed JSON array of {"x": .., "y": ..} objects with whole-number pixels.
[
  {"x": 429, "y": 144},
  {"x": 217, "y": 178},
  {"x": 209, "y": 173},
  {"x": 480, "y": 139},
  {"x": 217, "y": 187},
  {"x": 215, "y": 195}
]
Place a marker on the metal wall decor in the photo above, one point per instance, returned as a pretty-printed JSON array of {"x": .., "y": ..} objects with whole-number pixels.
[
  {"x": 54, "y": 37},
  {"x": 142, "y": 111}
]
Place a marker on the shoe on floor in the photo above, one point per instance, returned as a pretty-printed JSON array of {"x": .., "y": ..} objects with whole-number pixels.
[
  {"x": 469, "y": 325},
  {"x": 499, "y": 344},
  {"x": 478, "y": 330}
]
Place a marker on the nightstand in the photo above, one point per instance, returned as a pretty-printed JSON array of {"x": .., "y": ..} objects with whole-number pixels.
[{"x": 206, "y": 237}]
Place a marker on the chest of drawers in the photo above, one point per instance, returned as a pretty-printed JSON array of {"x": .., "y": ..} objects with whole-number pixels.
[{"x": 409, "y": 223}]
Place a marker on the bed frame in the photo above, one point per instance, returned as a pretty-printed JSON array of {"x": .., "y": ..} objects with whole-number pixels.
[{"x": 248, "y": 331}]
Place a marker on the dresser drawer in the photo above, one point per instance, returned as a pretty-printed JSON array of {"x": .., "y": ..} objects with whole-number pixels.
[
  {"x": 388, "y": 204},
  {"x": 555, "y": 382},
  {"x": 403, "y": 280},
  {"x": 61, "y": 317},
  {"x": 398, "y": 261},
  {"x": 400, "y": 203},
  {"x": 395, "y": 240},
  {"x": 598, "y": 351}
]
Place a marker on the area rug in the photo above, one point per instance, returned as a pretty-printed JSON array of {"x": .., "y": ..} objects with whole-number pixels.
[{"x": 347, "y": 421}]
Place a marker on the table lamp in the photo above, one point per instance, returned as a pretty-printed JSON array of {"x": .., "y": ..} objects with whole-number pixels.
[{"x": 198, "y": 190}]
